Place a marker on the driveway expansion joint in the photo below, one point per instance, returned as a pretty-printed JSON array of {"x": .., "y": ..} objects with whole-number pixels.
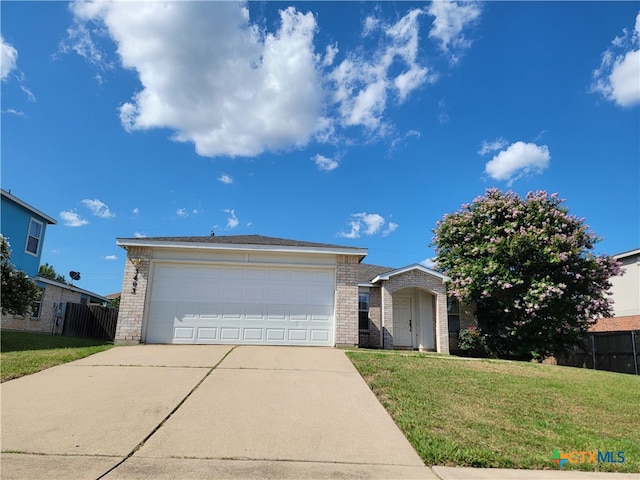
[{"x": 169, "y": 415}]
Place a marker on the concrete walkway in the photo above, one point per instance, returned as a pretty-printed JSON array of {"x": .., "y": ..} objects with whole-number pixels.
[{"x": 208, "y": 412}]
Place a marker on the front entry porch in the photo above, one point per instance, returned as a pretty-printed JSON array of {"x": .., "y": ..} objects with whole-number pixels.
[{"x": 413, "y": 320}]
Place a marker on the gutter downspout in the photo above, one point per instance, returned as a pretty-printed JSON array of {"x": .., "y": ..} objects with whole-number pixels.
[{"x": 382, "y": 315}]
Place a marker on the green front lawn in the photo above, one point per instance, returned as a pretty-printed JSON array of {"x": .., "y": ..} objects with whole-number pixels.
[
  {"x": 23, "y": 353},
  {"x": 491, "y": 413}
]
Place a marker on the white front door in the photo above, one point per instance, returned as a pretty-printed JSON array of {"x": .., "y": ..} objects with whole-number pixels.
[{"x": 402, "y": 321}]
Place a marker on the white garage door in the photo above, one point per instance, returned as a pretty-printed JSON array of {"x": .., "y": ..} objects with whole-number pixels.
[{"x": 246, "y": 305}]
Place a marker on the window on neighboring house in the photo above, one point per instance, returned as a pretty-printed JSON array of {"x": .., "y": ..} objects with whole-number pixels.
[
  {"x": 36, "y": 306},
  {"x": 453, "y": 314},
  {"x": 34, "y": 236},
  {"x": 84, "y": 300},
  {"x": 363, "y": 311}
]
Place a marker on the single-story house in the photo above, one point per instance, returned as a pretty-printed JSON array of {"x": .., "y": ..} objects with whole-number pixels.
[
  {"x": 47, "y": 314},
  {"x": 251, "y": 289},
  {"x": 625, "y": 292}
]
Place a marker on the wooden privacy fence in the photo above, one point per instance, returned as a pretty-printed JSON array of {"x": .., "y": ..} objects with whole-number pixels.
[
  {"x": 90, "y": 321},
  {"x": 611, "y": 351}
]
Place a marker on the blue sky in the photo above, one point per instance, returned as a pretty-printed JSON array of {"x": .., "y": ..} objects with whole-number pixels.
[{"x": 359, "y": 124}]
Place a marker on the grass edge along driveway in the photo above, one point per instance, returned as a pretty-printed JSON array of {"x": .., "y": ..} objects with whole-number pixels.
[
  {"x": 24, "y": 353},
  {"x": 492, "y": 413}
]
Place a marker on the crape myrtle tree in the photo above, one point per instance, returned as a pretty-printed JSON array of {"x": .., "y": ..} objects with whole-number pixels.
[
  {"x": 18, "y": 292},
  {"x": 528, "y": 266}
]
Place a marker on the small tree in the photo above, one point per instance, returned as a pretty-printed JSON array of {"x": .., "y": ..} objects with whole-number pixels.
[
  {"x": 19, "y": 292},
  {"x": 47, "y": 271},
  {"x": 528, "y": 266}
]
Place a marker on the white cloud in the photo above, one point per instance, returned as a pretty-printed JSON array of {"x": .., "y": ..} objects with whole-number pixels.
[
  {"x": 325, "y": 163},
  {"x": 362, "y": 85},
  {"x": 182, "y": 212},
  {"x": 368, "y": 224},
  {"x": 370, "y": 24},
  {"x": 232, "y": 220},
  {"x": 139, "y": 235},
  {"x": 223, "y": 81},
  {"x": 72, "y": 219},
  {"x": 494, "y": 146},
  {"x": 13, "y": 111},
  {"x": 618, "y": 76},
  {"x": 391, "y": 227},
  {"x": 8, "y": 58},
  {"x": 135, "y": 211},
  {"x": 98, "y": 208},
  {"x": 212, "y": 76},
  {"x": 450, "y": 19},
  {"x": 330, "y": 55},
  {"x": 28, "y": 93},
  {"x": 226, "y": 179},
  {"x": 110, "y": 257},
  {"x": 517, "y": 160}
]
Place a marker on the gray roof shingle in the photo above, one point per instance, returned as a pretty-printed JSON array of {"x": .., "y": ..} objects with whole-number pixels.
[
  {"x": 243, "y": 240},
  {"x": 367, "y": 272}
]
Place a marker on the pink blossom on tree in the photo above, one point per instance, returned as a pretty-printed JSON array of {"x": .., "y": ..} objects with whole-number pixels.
[{"x": 529, "y": 267}]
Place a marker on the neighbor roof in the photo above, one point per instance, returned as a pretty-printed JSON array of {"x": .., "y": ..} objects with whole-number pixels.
[
  {"x": 24, "y": 204},
  {"x": 629, "y": 253},
  {"x": 241, "y": 242}
]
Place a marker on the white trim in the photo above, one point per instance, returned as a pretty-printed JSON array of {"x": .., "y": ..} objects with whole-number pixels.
[
  {"x": 121, "y": 242},
  {"x": 415, "y": 266},
  {"x": 29, "y": 207},
  {"x": 630, "y": 253},
  {"x": 73, "y": 288},
  {"x": 26, "y": 245}
]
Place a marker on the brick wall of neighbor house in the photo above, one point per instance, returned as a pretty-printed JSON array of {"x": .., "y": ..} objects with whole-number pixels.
[
  {"x": 51, "y": 298},
  {"x": 617, "y": 324},
  {"x": 129, "y": 328},
  {"x": 371, "y": 338},
  {"x": 347, "y": 300},
  {"x": 427, "y": 282}
]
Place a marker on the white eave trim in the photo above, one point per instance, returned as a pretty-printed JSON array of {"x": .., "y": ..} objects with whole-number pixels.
[
  {"x": 630, "y": 253},
  {"x": 408, "y": 268},
  {"x": 66, "y": 286},
  {"x": 360, "y": 252},
  {"x": 33, "y": 210}
]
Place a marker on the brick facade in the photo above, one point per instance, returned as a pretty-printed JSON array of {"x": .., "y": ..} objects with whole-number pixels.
[
  {"x": 51, "y": 315},
  {"x": 424, "y": 281},
  {"x": 132, "y": 303},
  {"x": 346, "y": 301}
]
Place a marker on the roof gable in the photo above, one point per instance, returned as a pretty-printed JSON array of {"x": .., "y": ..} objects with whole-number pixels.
[{"x": 415, "y": 266}]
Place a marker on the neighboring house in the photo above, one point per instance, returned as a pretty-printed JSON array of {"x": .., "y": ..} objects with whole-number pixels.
[
  {"x": 250, "y": 289},
  {"x": 24, "y": 227},
  {"x": 625, "y": 290}
]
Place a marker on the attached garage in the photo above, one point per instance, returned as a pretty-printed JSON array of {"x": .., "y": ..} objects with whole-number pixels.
[
  {"x": 191, "y": 303},
  {"x": 244, "y": 289}
]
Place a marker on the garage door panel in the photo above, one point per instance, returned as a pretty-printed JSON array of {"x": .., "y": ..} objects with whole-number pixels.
[{"x": 255, "y": 305}]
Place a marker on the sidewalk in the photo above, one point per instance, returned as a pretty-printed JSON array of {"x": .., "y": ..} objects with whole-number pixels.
[{"x": 460, "y": 473}]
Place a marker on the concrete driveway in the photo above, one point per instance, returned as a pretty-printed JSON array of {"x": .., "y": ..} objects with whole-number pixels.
[{"x": 199, "y": 412}]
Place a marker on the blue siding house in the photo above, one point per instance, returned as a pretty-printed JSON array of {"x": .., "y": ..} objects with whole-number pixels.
[{"x": 24, "y": 227}]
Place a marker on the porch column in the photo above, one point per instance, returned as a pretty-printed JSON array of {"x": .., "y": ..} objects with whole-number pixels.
[
  {"x": 442, "y": 324},
  {"x": 386, "y": 330}
]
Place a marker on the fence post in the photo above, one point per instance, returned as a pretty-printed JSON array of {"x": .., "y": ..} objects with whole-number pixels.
[
  {"x": 635, "y": 352},
  {"x": 593, "y": 350}
]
